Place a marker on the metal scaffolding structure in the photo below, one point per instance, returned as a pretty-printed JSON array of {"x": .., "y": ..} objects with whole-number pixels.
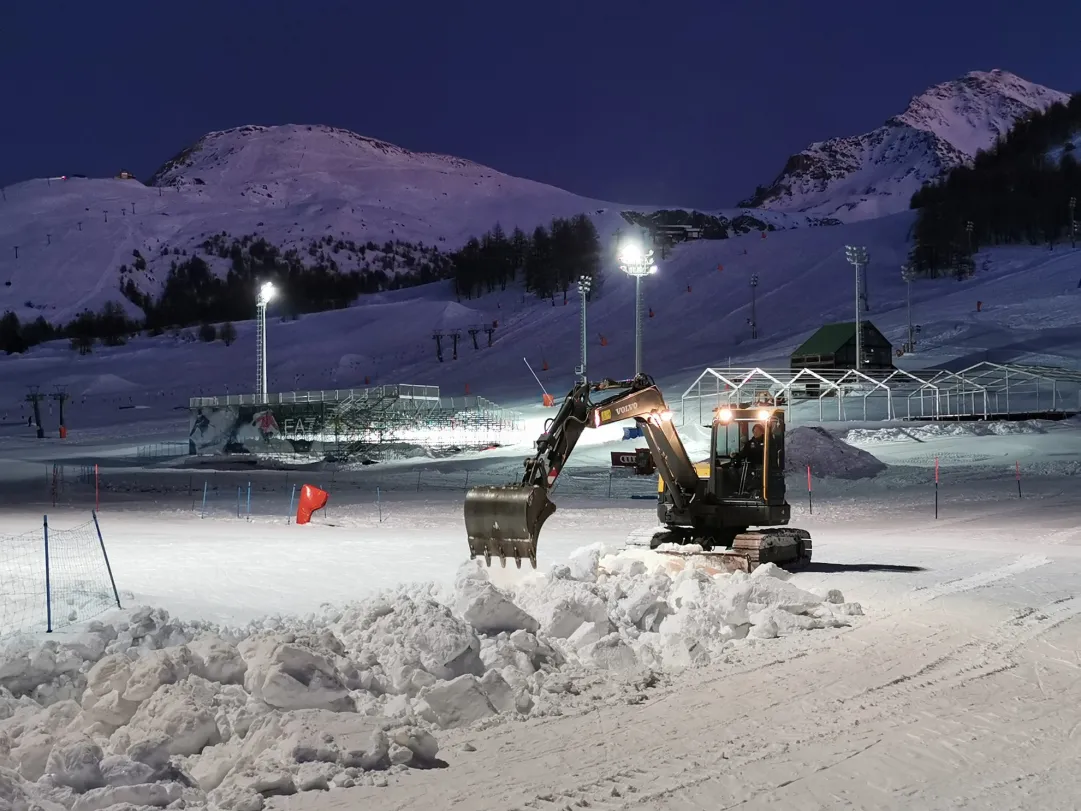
[
  {"x": 393, "y": 421},
  {"x": 377, "y": 423},
  {"x": 982, "y": 391}
]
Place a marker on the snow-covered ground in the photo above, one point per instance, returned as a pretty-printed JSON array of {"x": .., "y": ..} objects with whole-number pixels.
[
  {"x": 965, "y": 629},
  {"x": 919, "y": 662}
]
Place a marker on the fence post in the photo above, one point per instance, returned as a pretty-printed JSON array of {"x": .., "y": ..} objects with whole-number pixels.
[
  {"x": 418, "y": 480},
  {"x": 238, "y": 488},
  {"x": 292, "y": 498},
  {"x": 97, "y": 490},
  {"x": 379, "y": 503},
  {"x": 609, "y": 484},
  {"x": 105, "y": 555},
  {"x": 202, "y": 512},
  {"x": 249, "y": 501},
  {"x": 810, "y": 501},
  {"x": 936, "y": 488},
  {"x": 48, "y": 581}
]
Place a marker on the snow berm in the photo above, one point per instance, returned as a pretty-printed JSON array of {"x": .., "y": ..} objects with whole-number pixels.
[{"x": 139, "y": 709}]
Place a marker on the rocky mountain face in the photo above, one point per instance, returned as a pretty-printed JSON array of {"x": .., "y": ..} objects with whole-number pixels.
[{"x": 875, "y": 174}]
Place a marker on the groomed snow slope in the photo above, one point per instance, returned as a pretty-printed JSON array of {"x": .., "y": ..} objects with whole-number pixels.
[
  {"x": 875, "y": 174},
  {"x": 290, "y": 184},
  {"x": 1029, "y": 314}
]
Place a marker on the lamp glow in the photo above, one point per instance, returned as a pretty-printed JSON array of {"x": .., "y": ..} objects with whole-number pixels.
[
  {"x": 630, "y": 254},
  {"x": 725, "y": 415},
  {"x": 764, "y": 415},
  {"x": 267, "y": 293}
]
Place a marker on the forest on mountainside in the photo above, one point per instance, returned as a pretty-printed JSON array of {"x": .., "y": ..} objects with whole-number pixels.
[
  {"x": 550, "y": 260},
  {"x": 1023, "y": 190}
]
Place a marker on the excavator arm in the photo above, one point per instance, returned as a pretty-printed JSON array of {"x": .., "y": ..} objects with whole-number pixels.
[{"x": 506, "y": 521}]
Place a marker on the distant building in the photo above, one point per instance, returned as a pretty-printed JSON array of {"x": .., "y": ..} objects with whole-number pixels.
[
  {"x": 677, "y": 233},
  {"x": 833, "y": 346},
  {"x": 125, "y": 175}
]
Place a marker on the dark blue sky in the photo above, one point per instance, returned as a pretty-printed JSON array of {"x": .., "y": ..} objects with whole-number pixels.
[{"x": 690, "y": 103}]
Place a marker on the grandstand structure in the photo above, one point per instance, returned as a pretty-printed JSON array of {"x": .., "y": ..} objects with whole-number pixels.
[
  {"x": 982, "y": 391},
  {"x": 377, "y": 423}
]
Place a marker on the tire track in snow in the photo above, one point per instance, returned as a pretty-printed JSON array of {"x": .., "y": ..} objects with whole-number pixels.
[
  {"x": 673, "y": 783},
  {"x": 925, "y": 594}
]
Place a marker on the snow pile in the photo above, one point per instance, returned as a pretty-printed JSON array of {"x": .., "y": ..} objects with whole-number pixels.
[
  {"x": 828, "y": 456},
  {"x": 140, "y": 709},
  {"x": 946, "y": 430}
]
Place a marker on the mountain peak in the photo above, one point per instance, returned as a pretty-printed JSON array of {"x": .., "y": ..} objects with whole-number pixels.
[
  {"x": 875, "y": 174},
  {"x": 277, "y": 153}
]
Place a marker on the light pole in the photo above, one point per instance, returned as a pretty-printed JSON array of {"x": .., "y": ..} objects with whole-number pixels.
[
  {"x": 584, "y": 284},
  {"x": 637, "y": 262},
  {"x": 1073, "y": 227},
  {"x": 266, "y": 293},
  {"x": 857, "y": 256},
  {"x": 908, "y": 275},
  {"x": 754, "y": 308}
]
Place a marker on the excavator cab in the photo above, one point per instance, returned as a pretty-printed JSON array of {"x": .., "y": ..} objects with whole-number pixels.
[
  {"x": 741, "y": 469},
  {"x": 744, "y": 486}
]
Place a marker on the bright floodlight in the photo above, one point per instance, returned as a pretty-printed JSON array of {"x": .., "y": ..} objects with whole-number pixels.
[
  {"x": 763, "y": 415},
  {"x": 266, "y": 293},
  {"x": 725, "y": 415},
  {"x": 635, "y": 261},
  {"x": 630, "y": 254}
]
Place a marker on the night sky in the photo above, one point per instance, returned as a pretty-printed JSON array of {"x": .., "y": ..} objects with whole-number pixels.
[{"x": 669, "y": 103}]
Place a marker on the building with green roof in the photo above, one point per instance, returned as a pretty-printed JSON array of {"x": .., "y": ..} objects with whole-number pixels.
[{"x": 833, "y": 346}]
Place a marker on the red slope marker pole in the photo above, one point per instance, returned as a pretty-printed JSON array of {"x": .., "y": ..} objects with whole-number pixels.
[
  {"x": 936, "y": 488},
  {"x": 810, "y": 501},
  {"x": 1017, "y": 472}
]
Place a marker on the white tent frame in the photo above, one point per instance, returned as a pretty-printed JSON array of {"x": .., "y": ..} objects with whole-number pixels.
[{"x": 974, "y": 392}]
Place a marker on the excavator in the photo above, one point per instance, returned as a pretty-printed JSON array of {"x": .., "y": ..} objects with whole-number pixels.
[{"x": 710, "y": 506}]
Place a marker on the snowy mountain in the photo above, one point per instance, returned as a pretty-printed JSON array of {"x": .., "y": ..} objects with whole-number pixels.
[
  {"x": 65, "y": 240},
  {"x": 875, "y": 174}
]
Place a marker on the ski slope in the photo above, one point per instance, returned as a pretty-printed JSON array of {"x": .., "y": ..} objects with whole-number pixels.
[
  {"x": 699, "y": 319},
  {"x": 290, "y": 184}
]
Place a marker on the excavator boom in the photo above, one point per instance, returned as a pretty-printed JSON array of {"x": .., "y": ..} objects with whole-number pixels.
[{"x": 505, "y": 521}]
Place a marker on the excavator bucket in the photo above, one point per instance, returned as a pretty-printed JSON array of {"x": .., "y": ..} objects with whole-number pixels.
[{"x": 505, "y": 522}]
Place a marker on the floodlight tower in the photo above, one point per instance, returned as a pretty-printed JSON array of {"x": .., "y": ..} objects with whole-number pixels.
[
  {"x": 266, "y": 294},
  {"x": 754, "y": 307},
  {"x": 908, "y": 274},
  {"x": 857, "y": 256},
  {"x": 1073, "y": 225},
  {"x": 584, "y": 285},
  {"x": 637, "y": 262}
]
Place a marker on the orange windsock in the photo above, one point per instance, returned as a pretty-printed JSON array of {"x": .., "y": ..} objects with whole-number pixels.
[{"x": 311, "y": 499}]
